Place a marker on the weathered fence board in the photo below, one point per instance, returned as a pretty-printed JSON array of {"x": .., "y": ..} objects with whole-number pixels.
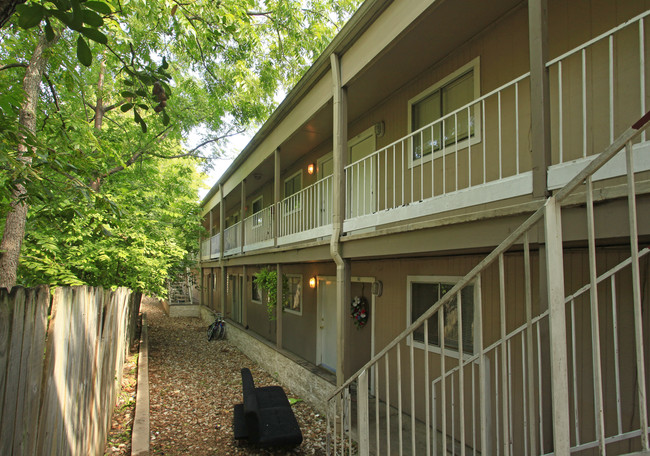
[{"x": 57, "y": 392}]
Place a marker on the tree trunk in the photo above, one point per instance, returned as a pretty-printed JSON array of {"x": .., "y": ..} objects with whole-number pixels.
[{"x": 14, "y": 231}]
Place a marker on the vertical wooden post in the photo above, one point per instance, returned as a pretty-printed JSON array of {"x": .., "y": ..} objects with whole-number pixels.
[
  {"x": 224, "y": 279},
  {"x": 242, "y": 209},
  {"x": 539, "y": 94},
  {"x": 278, "y": 308},
  {"x": 222, "y": 220},
  {"x": 557, "y": 327},
  {"x": 244, "y": 297},
  {"x": 276, "y": 196}
]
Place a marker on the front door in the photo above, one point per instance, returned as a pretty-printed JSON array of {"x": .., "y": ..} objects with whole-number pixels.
[
  {"x": 326, "y": 355},
  {"x": 361, "y": 176}
]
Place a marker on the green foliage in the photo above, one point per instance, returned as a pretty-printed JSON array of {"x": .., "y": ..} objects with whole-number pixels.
[
  {"x": 151, "y": 236},
  {"x": 116, "y": 203},
  {"x": 267, "y": 280}
]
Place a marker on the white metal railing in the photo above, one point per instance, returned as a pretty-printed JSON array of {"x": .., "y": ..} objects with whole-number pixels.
[
  {"x": 258, "y": 228},
  {"x": 232, "y": 238},
  {"x": 434, "y": 161},
  {"x": 215, "y": 245},
  {"x": 205, "y": 249},
  {"x": 594, "y": 97},
  {"x": 307, "y": 209},
  {"x": 501, "y": 396}
]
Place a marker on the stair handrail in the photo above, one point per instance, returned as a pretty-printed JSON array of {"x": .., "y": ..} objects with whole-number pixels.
[{"x": 601, "y": 159}]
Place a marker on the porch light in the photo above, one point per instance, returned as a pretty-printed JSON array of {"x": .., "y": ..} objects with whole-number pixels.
[
  {"x": 312, "y": 282},
  {"x": 310, "y": 171}
]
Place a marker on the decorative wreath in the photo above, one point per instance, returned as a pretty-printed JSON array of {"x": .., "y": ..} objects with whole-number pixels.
[{"x": 359, "y": 311}]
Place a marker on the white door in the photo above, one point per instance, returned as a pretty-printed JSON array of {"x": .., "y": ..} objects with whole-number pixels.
[
  {"x": 361, "y": 177},
  {"x": 326, "y": 355}
]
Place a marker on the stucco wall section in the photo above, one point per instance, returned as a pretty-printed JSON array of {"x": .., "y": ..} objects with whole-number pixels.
[{"x": 292, "y": 373}]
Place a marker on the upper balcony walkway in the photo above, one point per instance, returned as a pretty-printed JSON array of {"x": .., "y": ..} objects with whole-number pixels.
[{"x": 477, "y": 154}]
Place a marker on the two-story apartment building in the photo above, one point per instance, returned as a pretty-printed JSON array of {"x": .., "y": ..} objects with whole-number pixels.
[{"x": 423, "y": 137}]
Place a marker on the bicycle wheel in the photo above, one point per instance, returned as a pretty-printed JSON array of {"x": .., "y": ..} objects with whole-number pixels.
[
  {"x": 212, "y": 330},
  {"x": 222, "y": 330}
]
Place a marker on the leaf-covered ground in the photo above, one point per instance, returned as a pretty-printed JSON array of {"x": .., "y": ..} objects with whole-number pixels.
[
  {"x": 119, "y": 437},
  {"x": 194, "y": 385}
]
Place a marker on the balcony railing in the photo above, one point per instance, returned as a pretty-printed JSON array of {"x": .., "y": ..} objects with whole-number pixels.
[
  {"x": 215, "y": 245},
  {"x": 258, "y": 229},
  {"x": 486, "y": 161},
  {"x": 596, "y": 90},
  {"x": 308, "y": 213},
  {"x": 232, "y": 239},
  {"x": 205, "y": 249}
]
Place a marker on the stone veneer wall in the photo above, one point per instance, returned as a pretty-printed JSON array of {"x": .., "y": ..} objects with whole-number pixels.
[{"x": 289, "y": 370}]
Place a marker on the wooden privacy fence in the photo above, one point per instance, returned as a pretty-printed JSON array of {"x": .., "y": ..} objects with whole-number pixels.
[{"x": 61, "y": 360}]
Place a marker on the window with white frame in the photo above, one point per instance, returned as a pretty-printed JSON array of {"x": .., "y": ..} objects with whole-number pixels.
[
  {"x": 292, "y": 185},
  {"x": 257, "y": 212},
  {"x": 433, "y": 132},
  {"x": 422, "y": 293},
  {"x": 256, "y": 292},
  {"x": 293, "y": 301}
]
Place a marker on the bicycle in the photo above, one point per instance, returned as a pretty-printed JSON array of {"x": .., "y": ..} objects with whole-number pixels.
[{"x": 217, "y": 330}]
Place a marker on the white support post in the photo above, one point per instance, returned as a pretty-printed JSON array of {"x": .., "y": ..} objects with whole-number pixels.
[
  {"x": 362, "y": 415},
  {"x": 557, "y": 327}
]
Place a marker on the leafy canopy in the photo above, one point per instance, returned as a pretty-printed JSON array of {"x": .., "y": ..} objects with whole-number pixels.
[{"x": 111, "y": 185}]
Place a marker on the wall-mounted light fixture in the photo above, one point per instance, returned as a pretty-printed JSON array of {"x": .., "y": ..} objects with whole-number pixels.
[
  {"x": 312, "y": 282},
  {"x": 310, "y": 169}
]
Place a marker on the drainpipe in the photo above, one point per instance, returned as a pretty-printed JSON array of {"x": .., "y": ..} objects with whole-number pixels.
[{"x": 338, "y": 211}]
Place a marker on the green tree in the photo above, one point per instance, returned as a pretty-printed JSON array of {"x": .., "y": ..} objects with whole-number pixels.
[{"x": 69, "y": 133}]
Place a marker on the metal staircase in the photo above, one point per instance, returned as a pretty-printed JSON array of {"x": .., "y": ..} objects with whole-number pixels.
[{"x": 550, "y": 372}]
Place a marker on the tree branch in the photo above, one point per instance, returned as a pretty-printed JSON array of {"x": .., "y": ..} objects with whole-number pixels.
[{"x": 13, "y": 65}]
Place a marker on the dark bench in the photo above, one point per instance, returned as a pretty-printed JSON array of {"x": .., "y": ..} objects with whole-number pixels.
[{"x": 265, "y": 418}]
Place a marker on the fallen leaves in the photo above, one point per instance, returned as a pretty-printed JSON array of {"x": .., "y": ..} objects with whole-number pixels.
[{"x": 194, "y": 385}]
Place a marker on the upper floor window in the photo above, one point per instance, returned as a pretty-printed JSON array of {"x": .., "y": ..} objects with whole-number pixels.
[
  {"x": 433, "y": 131},
  {"x": 423, "y": 292},
  {"x": 257, "y": 209},
  {"x": 292, "y": 185}
]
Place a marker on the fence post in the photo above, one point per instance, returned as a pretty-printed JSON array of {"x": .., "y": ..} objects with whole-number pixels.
[{"x": 557, "y": 326}]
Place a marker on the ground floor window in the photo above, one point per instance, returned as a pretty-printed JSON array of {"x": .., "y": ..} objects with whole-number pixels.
[
  {"x": 422, "y": 293},
  {"x": 293, "y": 301}
]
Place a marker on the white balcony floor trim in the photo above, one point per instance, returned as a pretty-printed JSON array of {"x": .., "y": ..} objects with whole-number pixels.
[
  {"x": 258, "y": 245},
  {"x": 509, "y": 187},
  {"x": 306, "y": 235},
  {"x": 560, "y": 175}
]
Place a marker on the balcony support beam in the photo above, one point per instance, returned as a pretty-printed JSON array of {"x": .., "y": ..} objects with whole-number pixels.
[
  {"x": 222, "y": 221},
  {"x": 276, "y": 195},
  {"x": 278, "y": 308},
  {"x": 539, "y": 94},
  {"x": 242, "y": 209}
]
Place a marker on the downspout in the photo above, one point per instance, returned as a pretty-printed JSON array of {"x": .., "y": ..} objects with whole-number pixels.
[{"x": 338, "y": 211}]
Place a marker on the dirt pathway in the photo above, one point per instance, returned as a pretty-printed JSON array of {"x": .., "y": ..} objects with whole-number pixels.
[{"x": 194, "y": 385}]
